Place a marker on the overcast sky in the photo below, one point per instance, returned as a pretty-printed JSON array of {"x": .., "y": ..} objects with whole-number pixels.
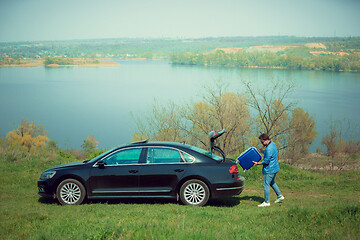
[{"x": 32, "y": 20}]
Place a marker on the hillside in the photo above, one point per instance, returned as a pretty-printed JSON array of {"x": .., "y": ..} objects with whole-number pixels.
[{"x": 316, "y": 206}]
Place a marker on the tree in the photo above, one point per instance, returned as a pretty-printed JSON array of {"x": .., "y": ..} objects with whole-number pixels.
[
  {"x": 220, "y": 110},
  {"x": 193, "y": 122},
  {"x": 335, "y": 143},
  {"x": 291, "y": 129},
  {"x": 341, "y": 138},
  {"x": 148, "y": 55},
  {"x": 90, "y": 145},
  {"x": 28, "y": 136},
  {"x": 161, "y": 124},
  {"x": 272, "y": 114},
  {"x": 301, "y": 133},
  {"x": 330, "y": 142}
]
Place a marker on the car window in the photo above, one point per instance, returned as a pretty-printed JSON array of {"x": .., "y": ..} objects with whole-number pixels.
[
  {"x": 206, "y": 153},
  {"x": 163, "y": 155},
  {"x": 122, "y": 157},
  {"x": 188, "y": 158}
]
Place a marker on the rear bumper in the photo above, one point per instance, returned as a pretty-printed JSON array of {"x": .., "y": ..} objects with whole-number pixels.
[
  {"x": 228, "y": 189},
  {"x": 227, "y": 192}
]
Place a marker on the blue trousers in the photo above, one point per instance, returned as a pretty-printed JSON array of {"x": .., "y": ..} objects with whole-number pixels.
[{"x": 269, "y": 180}]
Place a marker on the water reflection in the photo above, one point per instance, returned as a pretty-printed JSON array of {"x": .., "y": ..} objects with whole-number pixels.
[{"x": 75, "y": 102}]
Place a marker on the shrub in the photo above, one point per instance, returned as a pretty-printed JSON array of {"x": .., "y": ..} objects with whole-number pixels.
[{"x": 28, "y": 136}]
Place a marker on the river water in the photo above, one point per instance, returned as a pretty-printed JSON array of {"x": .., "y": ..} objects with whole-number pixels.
[{"x": 75, "y": 102}]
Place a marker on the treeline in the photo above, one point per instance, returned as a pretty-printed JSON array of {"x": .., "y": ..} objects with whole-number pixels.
[
  {"x": 59, "y": 61},
  {"x": 10, "y": 61},
  {"x": 148, "y": 48},
  {"x": 268, "y": 59},
  {"x": 348, "y": 45},
  {"x": 29, "y": 140}
]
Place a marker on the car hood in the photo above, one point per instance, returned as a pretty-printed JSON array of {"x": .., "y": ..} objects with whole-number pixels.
[{"x": 66, "y": 165}]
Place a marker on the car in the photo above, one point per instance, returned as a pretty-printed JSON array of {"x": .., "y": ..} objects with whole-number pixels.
[{"x": 145, "y": 170}]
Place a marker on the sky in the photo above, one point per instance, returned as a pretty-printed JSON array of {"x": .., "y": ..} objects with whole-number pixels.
[{"x": 43, "y": 20}]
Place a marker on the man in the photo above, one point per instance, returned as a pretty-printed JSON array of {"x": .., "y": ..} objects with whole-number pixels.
[{"x": 270, "y": 168}]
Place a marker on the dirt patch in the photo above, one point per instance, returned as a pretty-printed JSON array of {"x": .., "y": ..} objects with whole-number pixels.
[
  {"x": 229, "y": 50},
  {"x": 23, "y": 63},
  {"x": 271, "y": 48},
  {"x": 293, "y": 194},
  {"x": 319, "y": 162},
  {"x": 315, "y": 45},
  {"x": 53, "y": 65},
  {"x": 95, "y": 64},
  {"x": 317, "y": 53}
]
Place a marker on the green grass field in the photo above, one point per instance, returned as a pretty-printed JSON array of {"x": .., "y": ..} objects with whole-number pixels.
[{"x": 316, "y": 206}]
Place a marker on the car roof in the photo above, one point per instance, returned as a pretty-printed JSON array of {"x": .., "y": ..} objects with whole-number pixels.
[
  {"x": 181, "y": 146},
  {"x": 159, "y": 143}
]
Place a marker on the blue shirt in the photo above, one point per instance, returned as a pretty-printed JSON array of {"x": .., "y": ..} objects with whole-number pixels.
[{"x": 270, "y": 161}]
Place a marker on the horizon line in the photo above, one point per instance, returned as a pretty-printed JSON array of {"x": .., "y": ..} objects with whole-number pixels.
[{"x": 175, "y": 38}]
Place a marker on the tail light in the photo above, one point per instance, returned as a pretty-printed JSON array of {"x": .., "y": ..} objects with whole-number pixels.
[{"x": 234, "y": 169}]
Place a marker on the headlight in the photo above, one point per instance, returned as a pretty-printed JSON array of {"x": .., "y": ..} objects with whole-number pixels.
[{"x": 47, "y": 175}]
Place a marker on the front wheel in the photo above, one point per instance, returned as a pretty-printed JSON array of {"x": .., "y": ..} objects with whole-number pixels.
[
  {"x": 194, "y": 192},
  {"x": 70, "y": 192}
]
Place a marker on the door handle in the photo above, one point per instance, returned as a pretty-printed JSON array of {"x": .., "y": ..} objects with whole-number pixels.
[
  {"x": 133, "y": 171},
  {"x": 178, "y": 170}
]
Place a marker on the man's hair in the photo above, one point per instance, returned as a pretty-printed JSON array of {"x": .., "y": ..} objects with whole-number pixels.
[{"x": 264, "y": 136}]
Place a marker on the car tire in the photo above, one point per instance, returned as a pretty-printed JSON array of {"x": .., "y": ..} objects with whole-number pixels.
[
  {"x": 194, "y": 192},
  {"x": 70, "y": 192}
]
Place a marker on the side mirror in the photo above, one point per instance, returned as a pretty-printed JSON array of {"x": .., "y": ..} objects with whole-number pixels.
[{"x": 101, "y": 164}]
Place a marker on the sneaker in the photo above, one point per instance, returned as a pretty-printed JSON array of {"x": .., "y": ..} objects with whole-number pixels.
[
  {"x": 264, "y": 204},
  {"x": 279, "y": 199}
]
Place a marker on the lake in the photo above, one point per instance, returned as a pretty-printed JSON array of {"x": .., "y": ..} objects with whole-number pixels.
[{"x": 75, "y": 102}]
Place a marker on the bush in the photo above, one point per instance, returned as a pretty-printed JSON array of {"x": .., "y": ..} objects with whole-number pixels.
[{"x": 65, "y": 154}]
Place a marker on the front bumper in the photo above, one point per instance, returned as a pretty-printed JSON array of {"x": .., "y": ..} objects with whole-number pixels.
[{"x": 45, "y": 190}]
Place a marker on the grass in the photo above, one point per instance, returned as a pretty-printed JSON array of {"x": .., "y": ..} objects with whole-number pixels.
[{"x": 316, "y": 206}]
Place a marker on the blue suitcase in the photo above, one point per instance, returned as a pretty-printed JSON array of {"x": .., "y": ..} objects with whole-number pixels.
[{"x": 247, "y": 157}]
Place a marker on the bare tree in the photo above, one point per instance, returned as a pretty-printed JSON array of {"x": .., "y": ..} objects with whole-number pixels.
[
  {"x": 340, "y": 150},
  {"x": 221, "y": 110},
  {"x": 162, "y": 124},
  {"x": 191, "y": 123},
  {"x": 272, "y": 114},
  {"x": 291, "y": 129}
]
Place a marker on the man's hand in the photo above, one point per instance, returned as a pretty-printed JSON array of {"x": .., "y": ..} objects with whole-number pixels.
[{"x": 257, "y": 163}]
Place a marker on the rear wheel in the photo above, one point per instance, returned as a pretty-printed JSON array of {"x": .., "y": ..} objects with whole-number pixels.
[
  {"x": 194, "y": 192},
  {"x": 70, "y": 192}
]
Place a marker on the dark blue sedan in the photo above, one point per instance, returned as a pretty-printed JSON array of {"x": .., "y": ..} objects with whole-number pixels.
[{"x": 145, "y": 170}]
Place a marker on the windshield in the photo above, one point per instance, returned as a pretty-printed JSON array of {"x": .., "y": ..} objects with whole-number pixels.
[
  {"x": 207, "y": 153},
  {"x": 101, "y": 155}
]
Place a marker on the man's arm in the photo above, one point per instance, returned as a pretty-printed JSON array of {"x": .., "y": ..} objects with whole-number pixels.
[
  {"x": 257, "y": 163},
  {"x": 268, "y": 153}
]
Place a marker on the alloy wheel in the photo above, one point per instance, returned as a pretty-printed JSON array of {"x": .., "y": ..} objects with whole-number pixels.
[{"x": 194, "y": 192}]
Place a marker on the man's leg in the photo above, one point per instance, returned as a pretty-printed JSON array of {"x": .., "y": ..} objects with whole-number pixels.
[
  {"x": 275, "y": 187},
  {"x": 267, "y": 180}
]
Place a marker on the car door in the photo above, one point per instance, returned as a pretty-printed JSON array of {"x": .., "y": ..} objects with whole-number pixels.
[
  {"x": 118, "y": 175},
  {"x": 161, "y": 171}
]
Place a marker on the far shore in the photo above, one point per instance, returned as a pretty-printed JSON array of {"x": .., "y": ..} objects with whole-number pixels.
[{"x": 77, "y": 63}]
